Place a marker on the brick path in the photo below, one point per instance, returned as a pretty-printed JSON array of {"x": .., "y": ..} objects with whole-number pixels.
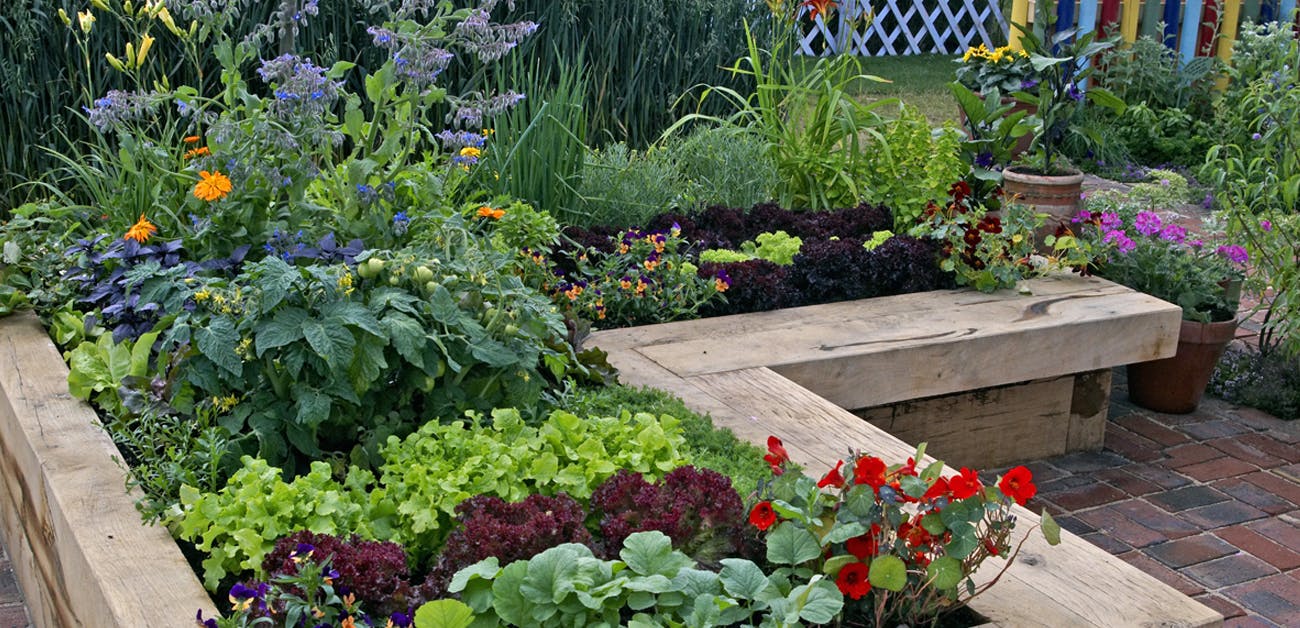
[
  {"x": 12, "y": 612},
  {"x": 1207, "y": 502}
]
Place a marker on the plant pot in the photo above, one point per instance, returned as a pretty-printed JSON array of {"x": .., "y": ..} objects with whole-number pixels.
[
  {"x": 1175, "y": 385},
  {"x": 1054, "y": 195}
]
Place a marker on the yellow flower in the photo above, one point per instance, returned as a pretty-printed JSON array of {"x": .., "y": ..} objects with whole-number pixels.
[
  {"x": 212, "y": 186},
  {"x": 145, "y": 44},
  {"x": 141, "y": 230},
  {"x": 86, "y": 20},
  {"x": 470, "y": 152},
  {"x": 202, "y": 295}
]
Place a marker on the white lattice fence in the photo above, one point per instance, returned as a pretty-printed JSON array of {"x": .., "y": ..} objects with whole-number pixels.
[{"x": 902, "y": 27}]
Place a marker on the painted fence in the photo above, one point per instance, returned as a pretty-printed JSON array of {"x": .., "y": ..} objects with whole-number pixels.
[{"x": 909, "y": 27}]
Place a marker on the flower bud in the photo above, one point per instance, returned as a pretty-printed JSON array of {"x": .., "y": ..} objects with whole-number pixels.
[
  {"x": 63, "y": 16},
  {"x": 145, "y": 44},
  {"x": 115, "y": 62},
  {"x": 127, "y": 7},
  {"x": 165, "y": 17},
  {"x": 99, "y": 4},
  {"x": 129, "y": 59}
]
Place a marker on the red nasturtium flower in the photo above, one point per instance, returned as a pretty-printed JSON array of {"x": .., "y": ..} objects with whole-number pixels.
[
  {"x": 853, "y": 581},
  {"x": 762, "y": 516},
  {"x": 869, "y": 470},
  {"x": 965, "y": 484},
  {"x": 1018, "y": 484},
  {"x": 776, "y": 455},
  {"x": 833, "y": 477},
  {"x": 937, "y": 490},
  {"x": 866, "y": 546},
  {"x": 990, "y": 546}
]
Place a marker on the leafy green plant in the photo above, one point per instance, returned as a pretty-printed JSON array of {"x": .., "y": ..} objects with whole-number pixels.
[
  {"x": 625, "y": 187},
  {"x": 911, "y": 165},
  {"x": 1002, "y": 69},
  {"x": 813, "y": 129},
  {"x": 778, "y": 248},
  {"x": 422, "y": 479},
  {"x": 567, "y": 585},
  {"x": 322, "y": 358}
]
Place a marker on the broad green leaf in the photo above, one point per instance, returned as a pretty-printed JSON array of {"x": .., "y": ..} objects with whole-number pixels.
[
  {"x": 861, "y": 500},
  {"x": 789, "y": 544},
  {"x": 217, "y": 341},
  {"x": 507, "y": 599},
  {"x": 285, "y": 328},
  {"x": 276, "y": 280},
  {"x": 845, "y": 531},
  {"x": 742, "y": 578},
  {"x": 551, "y": 576},
  {"x": 313, "y": 408},
  {"x": 653, "y": 583},
  {"x": 933, "y": 524},
  {"x": 330, "y": 342},
  {"x": 140, "y": 354},
  {"x": 963, "y": 542},
  {"x": 652, "y": 552},
  {"x": 87, "y": 371},
  {"x": 913, "y": 486},
  {"x": 1051, "y": 529},
  {"x": 888, "y": 572},
  {"x": 818, "y": 602},
  {"x": 444, "y": 614},
  {"x": 493, "y": 353},
  {"x": 694, "y": 583},
  {"x": 407, "y": 337},
  {"x": 944, "y": 573},
  {"x": 354, "y": 314}
]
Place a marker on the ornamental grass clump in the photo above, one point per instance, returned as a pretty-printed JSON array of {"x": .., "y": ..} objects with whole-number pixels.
[{"x": 900, "y": 542}]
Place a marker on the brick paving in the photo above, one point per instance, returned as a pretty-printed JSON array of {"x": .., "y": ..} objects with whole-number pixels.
[
  {"x": 12, "y": 612},
  {"x": 1207, "y": 502}
]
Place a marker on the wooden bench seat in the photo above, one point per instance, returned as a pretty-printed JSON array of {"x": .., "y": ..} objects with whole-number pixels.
[{"x": 789, "y": 373}]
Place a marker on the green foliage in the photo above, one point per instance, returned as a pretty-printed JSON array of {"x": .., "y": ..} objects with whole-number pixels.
[
  {"x": 640, "y": 56},
  {"x": 1164, "y": 135},
  {"x": 1255, "y": 172},
  {"x": 622, "y": 186},
  {"x": 722, "y": 165},
  {"x": 724, "y": 256},
  {"x": 778, "y": 248},
  {"x": 912, "y": 166},
  {"x": 537, "y": 153},
  {"x": 96, "y": 369},
  {"x": 422, "y": 479},
  {"x": 33, "y": 241},
  {"x": 567, "y": 585},
  {"x": 1162, "y": 189},
  {"x": 813, "y": 129},
  {"x": 321, "y": 358},
  {"x": 1147, "y": 71},
  {"x": 878, "y": 238},
  {"x": 706, "y": 445},
  {"x": 1266, "y": 381}
]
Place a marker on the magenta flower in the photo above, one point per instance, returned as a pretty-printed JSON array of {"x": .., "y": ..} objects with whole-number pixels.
[
  {"x": 1082, "y": 216},
  {"x": 1111, "y": 221},
  {"x": 1266, "y": 225},
  {"x": 1173, "y": 233},
  {"x": 1234, "y": 253},
  {"x": 1147, "y": 223},
  {"x": 1120, "y": 240}
]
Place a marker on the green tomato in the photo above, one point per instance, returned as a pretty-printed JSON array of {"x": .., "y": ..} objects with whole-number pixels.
[
  {"x": 430, "y": 287},
  {"x": 423, "y": 274},
  {"x": 511, "y": 329},
  {"x": 375, "y": 265}
]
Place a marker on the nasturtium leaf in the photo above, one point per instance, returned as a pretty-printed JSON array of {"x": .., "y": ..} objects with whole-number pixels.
[
  {"x": 742, "y": 578},
  {"x": 844, "y": 532},
  {"x": 888, "y": 572},
  {"x": 860, "y": 500},
  {"x": 1051, "y": 529},
  {"x": 444, "y": 614},
  {"x": 785, "y": 510},
  {"x": 944, "y": 573},
  {"x": 964, "y": 540},
  {"x": 789, "y": 544},
  {"x": 954, "y": 513},
  {"x": 933, "y": 524},
  {"x": 932, "y": 472},
  {"x": 913, "y": 486}
]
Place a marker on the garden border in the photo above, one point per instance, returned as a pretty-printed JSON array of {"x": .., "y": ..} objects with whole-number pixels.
[
  {"x": 76, "y": 542},
  {"x": 776, "y": 373}
]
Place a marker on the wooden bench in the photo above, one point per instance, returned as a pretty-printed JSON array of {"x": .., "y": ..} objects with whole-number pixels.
[{"x": 791, "y": 373}]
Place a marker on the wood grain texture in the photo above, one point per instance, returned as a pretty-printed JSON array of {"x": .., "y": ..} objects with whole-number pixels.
[
  {"x": 878, "y": 351},
  {"x": 1089, "y": 407},
  {"x": 1073, "y": 584},
  {"x": 81, "y": 554},
  {"x": 985, "y": 429}
]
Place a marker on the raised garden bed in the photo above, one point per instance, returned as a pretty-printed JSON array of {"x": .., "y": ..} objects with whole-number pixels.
[
  {"x": 791, "y": 373},
  {"x": 83, "y": 558}
]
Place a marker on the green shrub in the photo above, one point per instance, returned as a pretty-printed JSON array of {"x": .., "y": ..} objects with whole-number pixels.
[
  {"x": 626, "y": 187},
  {"x": 911, "y": 165},
  {"x": 1267, "y": 381},
  {"x": 423, "y": 478}
]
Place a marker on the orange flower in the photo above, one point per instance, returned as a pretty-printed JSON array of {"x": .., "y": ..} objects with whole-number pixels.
[
  {"x": 488, "y": 212},
  {"x": 192, "y": 139},
  {"x": 212, "y": 186},
  {"x": 819, "y": 7},
  {"x": 197, "y": 152},
  {"x": 141, "y": 230}
]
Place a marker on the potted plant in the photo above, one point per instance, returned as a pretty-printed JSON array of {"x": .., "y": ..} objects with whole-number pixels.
[
  {"x": 991, "y": 76},
  {"x": 1044, "y": 180},
  {"x": 1197, "y": 272}
]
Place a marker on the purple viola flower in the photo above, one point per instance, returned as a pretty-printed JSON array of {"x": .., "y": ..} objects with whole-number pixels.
[
  {"x": 984, "y": 160},
  {"x": 400, "y": 620},
  {"x": 1234, "y": 253},
  {"x": 1074, "y": 93},
  {"x": 1256, "y": 136},
  {"x": 1147, "y": 223},
  {"x": 1028, "y": 84},
  {"x": 206, "y": 623},
  {"x": 1120, "y": 240},
  {"x": 1173, "y": 233}
]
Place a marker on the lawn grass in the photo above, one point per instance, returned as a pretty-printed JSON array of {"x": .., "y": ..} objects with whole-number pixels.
[{"x": 920, "y": 81}]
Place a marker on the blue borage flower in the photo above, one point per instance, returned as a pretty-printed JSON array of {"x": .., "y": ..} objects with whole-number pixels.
[
  {"x": 118, "y": 108},
  {"x": 300, "y": 87}
]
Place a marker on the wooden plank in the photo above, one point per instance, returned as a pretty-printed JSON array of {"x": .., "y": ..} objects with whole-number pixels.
[
  {"x": 984, "y": 429},
  {"x": 936, "y": 346},
  {"x": 1089, "y": 407},
  {"x": 1073, "y": 584},
  {"x": 81, "y": 554}
]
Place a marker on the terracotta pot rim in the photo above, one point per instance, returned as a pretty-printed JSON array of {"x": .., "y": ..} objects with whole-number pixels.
[
  {"x": 1208, "y": 333},
  {"x": 1075, "y": 177}
]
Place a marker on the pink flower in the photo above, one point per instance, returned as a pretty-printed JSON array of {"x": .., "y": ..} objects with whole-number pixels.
[
  {"x": 1173, "y": 233},
  {"x": 1266, "y": 225},
  {"x": 1147, "y": 223}
]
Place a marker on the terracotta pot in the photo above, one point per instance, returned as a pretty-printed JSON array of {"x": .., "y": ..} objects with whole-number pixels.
[
  {"x": 1175, "y": 385},
  {"x": 1054, "y": 195}
]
